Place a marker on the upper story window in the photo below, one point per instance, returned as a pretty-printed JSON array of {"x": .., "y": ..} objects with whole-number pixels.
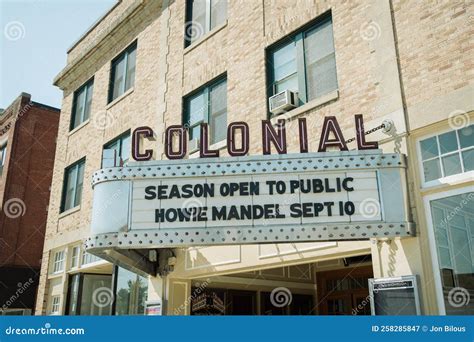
[
  {"x": 207, "y": 105},
  {"x": 3, "y": 157},
  {"x": 72, "y": 188},
  {"x": 117, "y": 152},
  {"x": 122, "y": 74},
  {"x": 202, "y": 16},
  {"x": 81, "y": 106},
  {"x": 58, "y": 263},
  {"x": 305, "y": 62},
  {"x": 448, "y": 154}
]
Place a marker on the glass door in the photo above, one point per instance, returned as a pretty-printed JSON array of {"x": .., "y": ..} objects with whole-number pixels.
[{"x": 453, "y": 226}]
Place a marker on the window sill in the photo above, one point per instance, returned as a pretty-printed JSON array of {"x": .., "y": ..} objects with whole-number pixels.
[
  {"x": 94, "y": 264},
  {"x": 74, "y": 130},
  {"x": 204, "y": 38},
  {"x": 69, "y": 212},
  {"x": 217, "y": 146},
  {"x": 440, "y": 184},
  {"x": 334, "y": 95},
  {"x": 120, "y": 98},
  {"x": 55, "y": 275}
]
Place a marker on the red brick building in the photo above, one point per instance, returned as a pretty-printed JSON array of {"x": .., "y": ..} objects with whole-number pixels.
[{"x": 28, "y": 133}]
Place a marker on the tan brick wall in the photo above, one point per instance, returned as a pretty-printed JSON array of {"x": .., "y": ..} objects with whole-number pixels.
[{"x": 436, "y": 42}]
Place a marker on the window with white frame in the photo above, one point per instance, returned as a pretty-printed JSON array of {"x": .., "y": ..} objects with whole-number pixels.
[
  {"x": 55, "y": 301},
  {"x": 75, "y": 256},
  {"x": 448, "y": 154},
  {"x": 88, "y": 258},
  {"x": 58, "y": 263}
]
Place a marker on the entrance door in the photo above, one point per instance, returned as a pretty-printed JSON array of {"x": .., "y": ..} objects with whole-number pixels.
[
  {"x": 340, "y": 304},
  {"x": 344, "y": 292},
  {"x": 242, "y": 303}
]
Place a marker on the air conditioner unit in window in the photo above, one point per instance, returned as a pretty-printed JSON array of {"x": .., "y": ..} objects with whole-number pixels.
[
  {"x": 193, "y": 145},
  {"x": 283, "y": 102}
]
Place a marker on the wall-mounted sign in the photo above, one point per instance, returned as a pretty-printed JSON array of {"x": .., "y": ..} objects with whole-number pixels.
[
  {"x": 153, "y": 308},
  {"x": 207, "y": 303},
  {"x": 347, "y": 195},
  {"x": 394, "y": 296}
]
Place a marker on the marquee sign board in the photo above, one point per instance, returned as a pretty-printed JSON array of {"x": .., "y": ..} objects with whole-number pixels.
[{"x": 347, "y": 195}]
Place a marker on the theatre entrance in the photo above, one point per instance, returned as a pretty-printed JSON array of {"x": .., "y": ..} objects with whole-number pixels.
[
  {"x": 344, "y": 291},
  {"x": 334, "y": 287}
]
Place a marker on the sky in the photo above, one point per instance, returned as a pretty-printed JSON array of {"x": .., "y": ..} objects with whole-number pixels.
[{"x": 34, "y": 39}]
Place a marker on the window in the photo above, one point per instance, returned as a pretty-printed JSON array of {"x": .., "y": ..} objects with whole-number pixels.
[
  {"x": 305, "y": 62},
  {"x": 122, "y": 75},
  {"x": 448, "y": 154},
  {"x": 81, "y": 107},
  {"x": 73, "y": 182},
  {"x": 15, "y": 312},
  {"x": 55, "y": 301},
  {"x": 300, "y": 305},
  {"x": 131, "y": 292},
  {"x": 117, "y": 152},
  {"x": 453, "y": 225},
  {"x": 207, "y": 105},
  {"x": 73, "y": 294},
  {"x": 3, "y": 157},
  {"x": 88, "y": 258},
  {"x": 90, "y": 294},
  {"x": 58, "y": 263},
  {"x": 75, "y": 256},
  {"x": 203, "y": 16}
]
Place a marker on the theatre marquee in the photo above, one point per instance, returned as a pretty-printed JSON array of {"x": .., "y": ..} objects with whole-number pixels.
[{"x": 347, "y": 195}]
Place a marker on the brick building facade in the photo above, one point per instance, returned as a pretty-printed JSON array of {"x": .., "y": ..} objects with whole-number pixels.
[
  {"x": 28, "y": 143},
  {"x": 146, "y": 63}
]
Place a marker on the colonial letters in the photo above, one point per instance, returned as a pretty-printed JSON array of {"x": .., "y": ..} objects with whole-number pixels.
[{"x": 238, "y": 136}]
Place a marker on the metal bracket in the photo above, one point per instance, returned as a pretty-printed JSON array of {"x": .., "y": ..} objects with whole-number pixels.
[{"x": 164, "y": 268}]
